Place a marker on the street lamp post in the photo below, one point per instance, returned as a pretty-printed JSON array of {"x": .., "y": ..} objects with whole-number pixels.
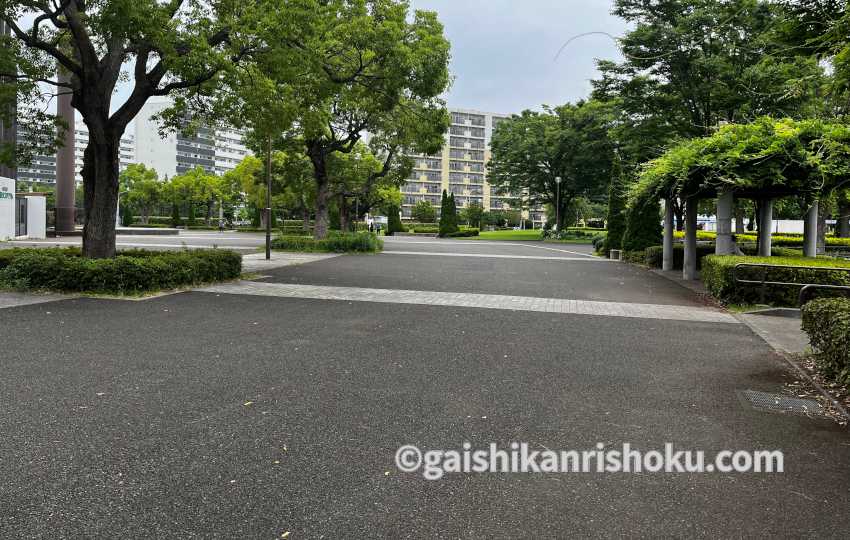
[
  {"x": 269, "y": 200},
  {"x": 557, "y": 203}
]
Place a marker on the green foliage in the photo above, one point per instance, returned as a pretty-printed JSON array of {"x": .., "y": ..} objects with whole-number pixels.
[
  {"x": 617, "y": 197},
  {"x": 363, "y": 242},
  {"x": 655, "y": 254},
  {"x": 394, "y": 220},
  {"x": 765, "y": 158},
  {"x": 131, "y": 272},
  {"x": 144, "y": 190},
  {"x": 448, "y": 215},
  {"x": 531, "y": 150},
  {"x": 690, "y": 65},
  {"x": 463, "y": 233},
  {"x": 176, "y": 220},
  {"x": 424, "y": 212},
  {"x": 717, "y": 276},
  {"x": 126, "y": 215},
  {"x": 643, "y": 226},
  {"x": 827, "y": 322},
  {"x": 473, "y": 214}
]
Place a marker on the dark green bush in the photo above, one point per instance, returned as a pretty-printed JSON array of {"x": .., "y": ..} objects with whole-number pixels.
[
  {"x": 363, "y": 242},
  {"x": 133, "y": 271},
  {"x": 643, "y": 226},
  {"x": 394, "y": 224},
  {"x": 718, "y": 278},
  {"x": 827, "y": 322},
  {"x": 463, "y": 233},
  {"x": 425, "y": 230}
]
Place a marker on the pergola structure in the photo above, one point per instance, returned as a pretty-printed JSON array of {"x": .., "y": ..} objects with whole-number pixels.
[{"x": 762, "y": 161}]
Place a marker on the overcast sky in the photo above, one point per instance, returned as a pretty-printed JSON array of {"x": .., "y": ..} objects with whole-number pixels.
[{"x": 503, "y": 50}]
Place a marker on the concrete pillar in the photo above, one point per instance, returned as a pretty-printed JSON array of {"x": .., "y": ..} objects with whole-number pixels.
[
  {"x": 669, "y": 227},
  {"x": 65, "y": 170},
  {"x": 689, "y": 269},
  {"x": 765, "y": 227},
  {"x": 725, "y": 245},
  {"x": 810, "y": 231}
]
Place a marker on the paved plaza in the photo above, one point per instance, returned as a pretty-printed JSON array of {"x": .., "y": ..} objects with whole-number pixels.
[{"x": 259, "y": 408}]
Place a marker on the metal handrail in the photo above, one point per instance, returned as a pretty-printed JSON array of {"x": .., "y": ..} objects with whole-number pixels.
[{"x": 763, "y": 281}]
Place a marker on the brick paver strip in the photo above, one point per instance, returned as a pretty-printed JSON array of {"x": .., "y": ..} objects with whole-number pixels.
[{"x": 486, "y": 301}]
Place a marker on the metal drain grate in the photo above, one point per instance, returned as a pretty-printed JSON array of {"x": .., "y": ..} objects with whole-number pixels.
[{"x": 778, "y": 403}]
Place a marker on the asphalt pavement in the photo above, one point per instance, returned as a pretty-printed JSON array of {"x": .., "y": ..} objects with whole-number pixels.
[{"x": 236, "y": 416}]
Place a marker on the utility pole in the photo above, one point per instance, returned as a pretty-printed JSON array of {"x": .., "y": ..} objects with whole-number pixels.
[{"x": 269, "y": 200}]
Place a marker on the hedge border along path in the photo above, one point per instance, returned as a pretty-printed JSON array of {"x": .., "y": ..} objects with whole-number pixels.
[
  {"x": 364, "y": 242},
  {"x": 130, "y": 272},
  {"x": 717, "y": 277},
  {"x": 827, "y": 322}
]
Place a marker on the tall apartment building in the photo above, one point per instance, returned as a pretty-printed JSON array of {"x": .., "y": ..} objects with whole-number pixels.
[
  {"x": 460, "y": 168},
  {"x": 42, "y": 169},
  {"x": 217, "y": 151}
]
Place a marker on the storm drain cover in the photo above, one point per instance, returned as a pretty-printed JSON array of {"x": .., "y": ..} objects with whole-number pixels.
[{"x": 765, "y": 401}]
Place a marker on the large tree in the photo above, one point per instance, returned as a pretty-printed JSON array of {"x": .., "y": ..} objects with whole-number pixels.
[
  {"x": 159, "y": 47},
  {"x": 144, "y": 190},
  {"x": 533, "y": 150},
  {"x": 372, "y": 68}
]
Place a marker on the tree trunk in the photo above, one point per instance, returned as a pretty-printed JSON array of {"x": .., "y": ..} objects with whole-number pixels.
[
  {"x": 679, "y": 213},
  {"x": 739, "y": 221},
  {"x": 320, "y": 175},
  {"x": 305, "y": 217},
  {"x": 210, "y": 205},
  {"x": 343, "y": 214},
  {"x": 100, "y": 184},
  {"x": 843, "y": 225}
]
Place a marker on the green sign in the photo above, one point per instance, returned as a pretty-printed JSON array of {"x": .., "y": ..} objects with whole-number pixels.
[{"x": 6, "y": 195}]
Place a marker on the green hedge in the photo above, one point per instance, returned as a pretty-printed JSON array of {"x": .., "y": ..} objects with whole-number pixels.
[
  {"x": 463, "y": 233},
  {"x": 717, "y": 277},
  {"x": 132, "y": 271},
  {"x": 424, "y": 230},
  {"x": 776, "y": 239},
  {"x": 655, "y": 254},
  {"x": 827, "y": 322},
  {"x": 364, "y": 242}
]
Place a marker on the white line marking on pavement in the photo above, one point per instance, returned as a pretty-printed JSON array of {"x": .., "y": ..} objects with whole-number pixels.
[
  {"x": 491, "y": 256},
  {"x": 485, "y": 242},
  {"x": 486, "y": 301}
]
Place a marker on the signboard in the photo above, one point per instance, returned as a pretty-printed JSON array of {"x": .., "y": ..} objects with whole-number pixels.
[{"x": 7, "y": 208}]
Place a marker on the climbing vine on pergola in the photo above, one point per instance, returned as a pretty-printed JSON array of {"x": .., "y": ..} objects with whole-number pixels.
[{"x": 766, "y": 159}]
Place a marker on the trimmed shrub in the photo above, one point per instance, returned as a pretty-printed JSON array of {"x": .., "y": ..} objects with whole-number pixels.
[
  {"x": 425, "y": 230},
  {"x": 718, "y": 279},
  {"x": 643, "y": 226},
  {"x": 133, "y": 271},
  {"x": 394, "y": 220},
  {"x": 463, "y": 233},
  {"x": 827, "y": 322},
  {"x": 448, "y": 215},
  {"x": 655, "y": 254},
  {"x": 363, "y": 242}
]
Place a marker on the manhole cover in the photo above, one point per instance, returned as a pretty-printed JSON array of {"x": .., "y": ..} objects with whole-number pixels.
[{"x": 765, "y": 401}]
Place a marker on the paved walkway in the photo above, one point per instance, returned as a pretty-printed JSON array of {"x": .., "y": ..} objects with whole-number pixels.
[
  {"x": 486, "y": 301},
  {"x": 13, "y": 299}
]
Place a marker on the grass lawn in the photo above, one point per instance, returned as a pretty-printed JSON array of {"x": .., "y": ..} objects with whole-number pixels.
[{"x": 507, "y": 235}]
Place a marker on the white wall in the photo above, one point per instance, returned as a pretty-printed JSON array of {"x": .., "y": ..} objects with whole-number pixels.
[
  {"x": 7, "y": 208},
  {"x": 153, "y": 151},
  {"x": 36, "y": 217}
]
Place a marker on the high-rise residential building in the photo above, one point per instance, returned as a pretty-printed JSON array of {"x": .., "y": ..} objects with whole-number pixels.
[
  {"x": 460, "y": 168},
  {"x": 217, "y": 151},
  {"x": 42, "y": 168}
]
